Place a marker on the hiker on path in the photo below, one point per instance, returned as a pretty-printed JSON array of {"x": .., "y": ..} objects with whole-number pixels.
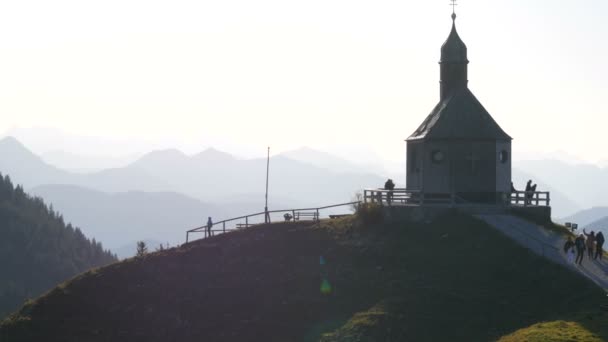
[
  {"x": 390, "y": 186},
  {"x": 569, "y": 249},
  {"x": 590, "y": 242},
  {"x": 580, "y": 249},
  {"x": 599, "y": 241},
  {"x": 209, "y": 225}
]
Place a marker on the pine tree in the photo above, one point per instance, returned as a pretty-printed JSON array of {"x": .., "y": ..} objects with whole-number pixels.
[
  {"x": 37, "y": 249},
  {"x": 142, "y": 249}
]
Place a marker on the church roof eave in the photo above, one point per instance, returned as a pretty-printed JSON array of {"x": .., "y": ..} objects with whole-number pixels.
[{"x": 459, "y": 117}]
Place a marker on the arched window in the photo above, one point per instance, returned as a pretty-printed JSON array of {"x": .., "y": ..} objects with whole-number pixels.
[{"x": 503, "y": 156}]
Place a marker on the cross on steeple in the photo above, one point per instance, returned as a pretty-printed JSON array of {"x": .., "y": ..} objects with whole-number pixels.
[{"x": 453, "y": 4}]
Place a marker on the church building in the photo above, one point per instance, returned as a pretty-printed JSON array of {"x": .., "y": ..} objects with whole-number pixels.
[{"x": 459, "y": 150}]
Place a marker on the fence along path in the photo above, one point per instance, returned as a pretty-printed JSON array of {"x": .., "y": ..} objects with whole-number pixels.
[{"x": 237, "y": 222}]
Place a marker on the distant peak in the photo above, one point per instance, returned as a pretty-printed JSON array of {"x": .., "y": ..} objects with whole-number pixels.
[
  {"x": 13, "y": 143},
  {"x": 10, "y": 140},
  {"x": 213, "y": 152},
  {"x": 168, "y": 155}
]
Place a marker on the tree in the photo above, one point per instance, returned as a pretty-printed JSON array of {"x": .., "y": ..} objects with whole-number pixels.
[
  {"x": 38, "y": 250},
  {"x": 142, "y": 249}
]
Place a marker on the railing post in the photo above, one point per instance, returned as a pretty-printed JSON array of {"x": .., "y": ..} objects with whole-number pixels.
[
  {"x": 246, "y": 221},
  {"x": 224, "y": 226},
  {"x": 548, "y": 199},
  {"x": 293, "y": 216},
  {"x": 187, "y": 233}
]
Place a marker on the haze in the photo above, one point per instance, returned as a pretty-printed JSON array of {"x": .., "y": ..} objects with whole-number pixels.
[{"x": 342, "y": 76}]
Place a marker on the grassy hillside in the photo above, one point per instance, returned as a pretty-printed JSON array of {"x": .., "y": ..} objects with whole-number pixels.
[{"x": 455, "y": 280}]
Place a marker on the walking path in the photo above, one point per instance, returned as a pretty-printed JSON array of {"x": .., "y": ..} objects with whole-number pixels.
[{"x": 548, "y": 244}]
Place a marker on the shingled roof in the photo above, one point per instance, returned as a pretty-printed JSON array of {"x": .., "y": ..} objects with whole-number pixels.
[{"x": 460, "y": 116}]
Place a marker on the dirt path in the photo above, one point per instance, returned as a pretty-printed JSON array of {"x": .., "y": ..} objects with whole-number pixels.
[{"x": 548, "y": 244}]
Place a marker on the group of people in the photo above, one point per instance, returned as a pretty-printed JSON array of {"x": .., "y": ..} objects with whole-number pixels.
[
  {"x": 530, "y": 190},
  {"x": 592, "y": 243}
]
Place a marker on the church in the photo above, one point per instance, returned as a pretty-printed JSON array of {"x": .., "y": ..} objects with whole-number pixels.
[{"x": 459, "y": 150}]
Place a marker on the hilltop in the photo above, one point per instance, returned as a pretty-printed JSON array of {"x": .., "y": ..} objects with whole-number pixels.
[{"x": 344, "y": 280}]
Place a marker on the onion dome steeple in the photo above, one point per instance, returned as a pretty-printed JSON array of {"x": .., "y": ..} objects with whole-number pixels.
[{"x": 453, "y": 63}]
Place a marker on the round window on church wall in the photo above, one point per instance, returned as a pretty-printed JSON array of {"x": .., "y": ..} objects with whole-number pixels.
[
  {"x": 503, "y": 156},
  {"x": 437, "y": 156}
]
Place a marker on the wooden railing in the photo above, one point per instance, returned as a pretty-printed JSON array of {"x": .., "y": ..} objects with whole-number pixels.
[
  {"x": 529, "y": 198},
  {"x": 400, "y": 197},
  {"x": 248, "y": 220},
  {"x": 407, "y": 197}
]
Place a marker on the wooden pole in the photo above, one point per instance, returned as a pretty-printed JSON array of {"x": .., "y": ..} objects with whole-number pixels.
[{"x": 267, "y": 215}]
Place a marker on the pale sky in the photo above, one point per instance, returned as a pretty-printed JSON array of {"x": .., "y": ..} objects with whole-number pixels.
[{"x": 330, "y": 74}]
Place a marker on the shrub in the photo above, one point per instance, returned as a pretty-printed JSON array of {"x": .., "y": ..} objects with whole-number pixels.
[{"x": 370, "y": 213}]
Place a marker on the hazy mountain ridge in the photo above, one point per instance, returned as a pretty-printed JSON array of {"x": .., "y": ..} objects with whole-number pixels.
[
  {"x": 84, "y": 163},
  {"x": 586, "y": 184},
  {"x": 561, "y": 203},
  {"x": 30, "y": 170},
  {"x": 332, "y": 162},
  {"x": 585, "y": 217},
  {"x": 311, "y": 178},
  {"x": 117, "y": 219}
]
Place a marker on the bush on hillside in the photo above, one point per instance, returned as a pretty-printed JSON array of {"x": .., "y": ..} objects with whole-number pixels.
[{"x": 370, "y": 213}]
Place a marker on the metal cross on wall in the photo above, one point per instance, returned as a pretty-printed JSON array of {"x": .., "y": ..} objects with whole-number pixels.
[{"x": 473, "y": 159}]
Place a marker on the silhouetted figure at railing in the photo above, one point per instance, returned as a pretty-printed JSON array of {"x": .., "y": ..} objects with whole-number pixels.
[
  {"x": 527, "y": 195},
  {"x": 209, "y": 226},
  {"x": 287, "y": 217},
  {"x": 390, "y": 186},
  {"x": 530, "y": 190}
]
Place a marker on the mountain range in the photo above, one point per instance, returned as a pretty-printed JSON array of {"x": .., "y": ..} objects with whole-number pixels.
[
  {"x": 165, "y": 192},
  {"x": 124, "y": 204}
]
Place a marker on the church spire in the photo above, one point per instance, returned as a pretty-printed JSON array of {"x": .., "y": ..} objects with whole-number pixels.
[{"x": 453, "y": 63}]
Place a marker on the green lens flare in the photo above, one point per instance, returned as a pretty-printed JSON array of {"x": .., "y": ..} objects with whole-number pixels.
[{"x": 325, "y": 287}]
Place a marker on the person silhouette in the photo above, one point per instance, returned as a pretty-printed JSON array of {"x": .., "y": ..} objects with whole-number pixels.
[
  {"x": 599, "y": 244},
  {"x": 209, "y": 225},
  {"x": 390, "y": 186},
  {"x": 590, "y": 242},
  {"x": 527, "y": 194}
]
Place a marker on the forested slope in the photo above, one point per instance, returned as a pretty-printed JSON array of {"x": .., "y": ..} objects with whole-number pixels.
[{"x": 37, "y": 249}]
